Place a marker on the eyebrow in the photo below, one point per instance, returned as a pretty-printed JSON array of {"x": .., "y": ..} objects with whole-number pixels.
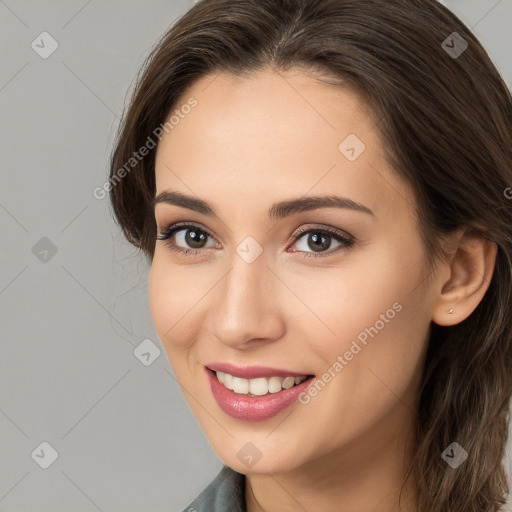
[{"x": 277, "y": 210}]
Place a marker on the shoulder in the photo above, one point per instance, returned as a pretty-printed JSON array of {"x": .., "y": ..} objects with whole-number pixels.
[{"x": 225, "y": 493}]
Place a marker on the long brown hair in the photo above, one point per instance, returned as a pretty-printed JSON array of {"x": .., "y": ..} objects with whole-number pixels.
[{"x": 445, "y": 119}]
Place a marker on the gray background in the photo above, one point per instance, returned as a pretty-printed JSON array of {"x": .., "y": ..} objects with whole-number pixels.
[{"x": 71, "y": 319}]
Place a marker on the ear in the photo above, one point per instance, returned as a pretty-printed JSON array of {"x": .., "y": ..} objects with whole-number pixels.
[{"x": 470, "y": 267}]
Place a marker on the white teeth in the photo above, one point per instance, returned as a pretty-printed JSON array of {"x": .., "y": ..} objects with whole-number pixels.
[
  {"x": 288, "y": 382},
  {"x": 274, "y": 384},
  {"x": 260, "y": 386},
  {"x": 228, "y": 380},
  {"x": 240, "y": 385}
]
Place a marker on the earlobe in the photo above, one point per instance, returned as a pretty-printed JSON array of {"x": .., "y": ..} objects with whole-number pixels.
[{"x": 470, "y": 270}]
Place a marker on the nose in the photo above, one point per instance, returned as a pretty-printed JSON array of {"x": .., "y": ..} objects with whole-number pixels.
[{"x": 247, "y": 306}]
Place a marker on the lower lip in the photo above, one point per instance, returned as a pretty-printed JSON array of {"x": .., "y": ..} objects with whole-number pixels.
[{"x": 254, "y": 408}]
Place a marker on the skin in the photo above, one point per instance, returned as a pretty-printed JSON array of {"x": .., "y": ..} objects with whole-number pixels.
[{"x": 254, "y": 141}]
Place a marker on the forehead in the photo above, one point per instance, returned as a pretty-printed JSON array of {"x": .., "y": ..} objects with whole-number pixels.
[
  {"x": 274, "y": 135},
  {"x": 291, "y": 106}
]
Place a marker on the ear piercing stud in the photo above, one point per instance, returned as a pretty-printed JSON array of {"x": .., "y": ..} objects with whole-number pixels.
[{"x": 450, "y": 312}]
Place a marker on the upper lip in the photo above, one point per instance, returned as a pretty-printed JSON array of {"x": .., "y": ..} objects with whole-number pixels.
[{"x": 252, "y": 372}]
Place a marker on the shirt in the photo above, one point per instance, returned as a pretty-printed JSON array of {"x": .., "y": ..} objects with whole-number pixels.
[{"x": 225, "y": 493}]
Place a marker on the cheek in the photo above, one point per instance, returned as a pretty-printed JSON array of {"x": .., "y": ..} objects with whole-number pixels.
[
  {"x": 379, "y": 323},
  {"x": 375, "y": 312},
  {"x": 171, "y": 295},
  {"x": 347, "y": 299}
]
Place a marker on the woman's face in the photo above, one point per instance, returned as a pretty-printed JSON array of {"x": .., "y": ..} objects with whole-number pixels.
[{"x": 256, "y": 294}]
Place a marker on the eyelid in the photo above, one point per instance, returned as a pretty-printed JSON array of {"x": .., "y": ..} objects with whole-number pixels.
[
  {"x": 171, "y": 229},
  {"x": 298, "y": 233},
  {"x": 345, "y": 240},
  {"x": 168, "y": 226}
]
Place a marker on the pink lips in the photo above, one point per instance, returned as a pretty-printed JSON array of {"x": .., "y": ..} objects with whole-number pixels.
[
  {"x": 251, "y": 372},
  {"x": 253, "y": 408}
]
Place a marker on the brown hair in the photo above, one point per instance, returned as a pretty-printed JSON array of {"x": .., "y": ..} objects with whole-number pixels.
[{"x": 446, "y": 125}]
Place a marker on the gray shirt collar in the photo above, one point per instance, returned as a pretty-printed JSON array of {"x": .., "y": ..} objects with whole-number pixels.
[{"x": 225, "y": 493}]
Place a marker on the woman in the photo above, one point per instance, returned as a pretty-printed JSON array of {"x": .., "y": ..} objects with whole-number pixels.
[{"x": 322, "y": 188}]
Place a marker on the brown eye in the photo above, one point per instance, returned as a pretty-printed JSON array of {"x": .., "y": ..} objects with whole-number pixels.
[
  {"x": 188, "y": 238},
  {"x": 320, "y": 240}
]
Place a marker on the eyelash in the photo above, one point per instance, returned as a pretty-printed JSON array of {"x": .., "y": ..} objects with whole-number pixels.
[{"x": 346, "y": 241}]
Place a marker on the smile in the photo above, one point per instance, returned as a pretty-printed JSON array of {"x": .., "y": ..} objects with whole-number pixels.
[
  {"x": 260, "y": 386},
  {"x": 257, "y": 398}
]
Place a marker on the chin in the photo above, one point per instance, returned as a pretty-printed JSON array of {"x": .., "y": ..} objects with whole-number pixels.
[{"x": 251, "y": 460}]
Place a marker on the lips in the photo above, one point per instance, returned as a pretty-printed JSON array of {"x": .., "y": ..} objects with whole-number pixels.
[
  {"x": 255, "y": 408},
  {"x": 252, "y": 372}
]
